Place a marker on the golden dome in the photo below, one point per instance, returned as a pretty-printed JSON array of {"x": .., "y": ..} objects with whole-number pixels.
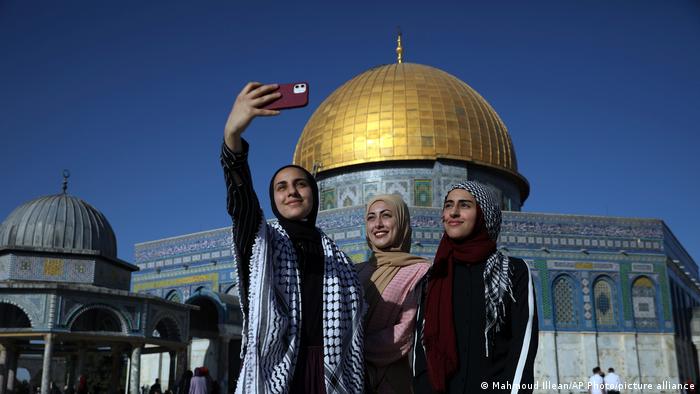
[{"x": 405, "y": 111}]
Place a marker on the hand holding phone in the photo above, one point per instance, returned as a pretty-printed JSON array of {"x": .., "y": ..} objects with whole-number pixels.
[{"x": 294, "y": 95}]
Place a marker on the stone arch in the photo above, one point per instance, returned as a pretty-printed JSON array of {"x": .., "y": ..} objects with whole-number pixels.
[
  {"x": 232, "y": 290},
  {"x": 14, "y": 316},
  {"x": 173, "y": 295},
  {"x": 167, "y": 328},
  {"x": 564, "y": 302},
  {"x": 98, "y": 317},
  {"x": 205, "y": 321}
]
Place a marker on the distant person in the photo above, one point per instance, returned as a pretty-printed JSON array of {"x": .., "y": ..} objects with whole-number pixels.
[
  {"x": 198, "y": 384},
  {"x": 53, "y": 388},
  {"x": 613, "y": 383},
  {"x": 82, "y": 385},
  {"x": 183, "y": 386},
  {"x": 596, "y": 384},
  {"x": 155, "y": 388},
  {"x": 390, "y": 278},
  {"x": 300, "y": 295},
  {"x": 477, "y": 324}
]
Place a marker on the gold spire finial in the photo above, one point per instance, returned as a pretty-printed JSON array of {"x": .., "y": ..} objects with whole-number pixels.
[{"x": 399, "y": 48}]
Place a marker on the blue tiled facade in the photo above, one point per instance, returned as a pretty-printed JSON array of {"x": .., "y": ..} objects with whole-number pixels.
[
  {"x": 583, "y": 248},
  {"x": 650, "y": 282},
  {"x": 177, "y": 268}
]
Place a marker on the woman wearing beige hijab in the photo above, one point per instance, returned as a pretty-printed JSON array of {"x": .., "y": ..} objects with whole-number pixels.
[{"x": 389, "y": 278}]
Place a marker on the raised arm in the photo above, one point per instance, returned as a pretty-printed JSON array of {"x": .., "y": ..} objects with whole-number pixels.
[{"x": 241, "y": 202}]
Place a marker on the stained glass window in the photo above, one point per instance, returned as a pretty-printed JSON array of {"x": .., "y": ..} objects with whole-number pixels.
[
  {"x": 604, "y": 308},
  {"x": 564, "y": 302},
  {"x": 643, "y": 302}
]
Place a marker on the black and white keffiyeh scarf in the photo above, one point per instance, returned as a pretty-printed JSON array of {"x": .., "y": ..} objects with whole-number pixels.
[
  {"x": 497, "y": 273},
  {"x": 271, "y": 328}
]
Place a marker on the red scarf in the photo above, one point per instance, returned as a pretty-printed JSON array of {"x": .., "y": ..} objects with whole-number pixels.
[{"x": 439, "y": 332}]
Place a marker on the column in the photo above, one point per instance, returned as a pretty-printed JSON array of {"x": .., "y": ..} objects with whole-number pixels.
[
  {"x": 12, "y": 358},
  {"x": 72, "y": 365},
  {"x": 46, "y": 369},
  {"x": 695, "y": 330},
  {"x": 80, "y": 367},
  {"x": 182, "y": 362},
  {"x": 116, "y": 369},
  {"x": 135, "y": 370},
  {"x": 171, "y": 370},
  {"x": 223, "y": 368},
  {"x": 3, "y": 369}
]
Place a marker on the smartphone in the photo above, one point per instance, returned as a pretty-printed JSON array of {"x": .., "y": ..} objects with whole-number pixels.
[{"x": 294, "y": 95}]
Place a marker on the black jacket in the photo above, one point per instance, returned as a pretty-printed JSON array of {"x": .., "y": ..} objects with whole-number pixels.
[{"x": 513, "y": 348}]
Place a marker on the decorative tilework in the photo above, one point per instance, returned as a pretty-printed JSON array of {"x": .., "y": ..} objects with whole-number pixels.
[
  {"x": 604, "y": 309},
  {"x": 328, "y": 199},
  {"x": 174, "y": 296},
  {"x": 397, "y": 187},
  {"x": 565, "y": 315},
  {"x": 369, "y": 190},
  {"x": 641, "y": 230},
  {"x": 188, "y": 244},
  {"x": 665, "y": 291},
  {"x": 643, "y": 303},
  {"x": 53, "y": 267},
  {"x": 541, "y": 266},
  {"x": 639, "y": 267},
  {"x": 626, "y": 296},
  {"x": 349, "y": 196},
  {"x": 212, "y": 279},
  {"x": 423, "y": 192},
  {"x": 578, "y": 266}
]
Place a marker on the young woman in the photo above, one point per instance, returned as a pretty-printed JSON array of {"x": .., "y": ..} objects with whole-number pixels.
[
  {"x": 389, "y": 279},
  {"x": 300, "y": 295},
  {"x": 478, "y": 317}
]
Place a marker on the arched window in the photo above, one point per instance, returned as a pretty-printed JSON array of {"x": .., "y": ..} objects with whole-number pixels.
[
  {"x": 564, "y": 311},
  {"x": 167, "y": 329},
  {"x": 13, "y": 317},
  {"x": 173, "y": 296},
  {"x": 644, "y": 303},
  {"x": 97, "y": 319},
  {"x": 604, "y": 306}
]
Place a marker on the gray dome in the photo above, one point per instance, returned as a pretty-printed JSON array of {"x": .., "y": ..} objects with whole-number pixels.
[{"x": 61, "y": 222}]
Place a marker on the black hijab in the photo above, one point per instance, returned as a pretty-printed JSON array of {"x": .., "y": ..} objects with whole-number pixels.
[{"x": 299, "y": 230}]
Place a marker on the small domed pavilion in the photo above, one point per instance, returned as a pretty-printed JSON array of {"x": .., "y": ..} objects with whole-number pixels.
[{"x": 64, "y": 294}]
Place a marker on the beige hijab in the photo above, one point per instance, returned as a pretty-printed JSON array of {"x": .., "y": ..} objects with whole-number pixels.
[{"x": 387, "y": 263}]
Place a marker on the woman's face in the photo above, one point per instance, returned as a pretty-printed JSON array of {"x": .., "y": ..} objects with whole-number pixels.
[
  {"x": 459, "y": 214},
  {"x": 293, "y": 194},
  {"x": 380, "y": 225}
]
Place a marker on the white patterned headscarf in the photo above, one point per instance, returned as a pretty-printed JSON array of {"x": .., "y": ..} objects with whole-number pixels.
[{"x": 497, "y": 273}]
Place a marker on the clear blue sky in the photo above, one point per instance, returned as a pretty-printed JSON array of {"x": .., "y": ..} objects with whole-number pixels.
[{"x": 601, "y": 97}]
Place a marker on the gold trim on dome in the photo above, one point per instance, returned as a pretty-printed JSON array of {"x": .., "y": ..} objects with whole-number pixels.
[{"x": 404, "y": 111}]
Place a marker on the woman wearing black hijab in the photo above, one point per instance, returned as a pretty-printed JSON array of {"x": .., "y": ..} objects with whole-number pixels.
[
  {"x": 477, "y": 328},
  {"x": 300, "y": 296}
]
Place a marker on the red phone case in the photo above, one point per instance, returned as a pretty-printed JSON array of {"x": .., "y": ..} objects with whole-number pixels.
[{"x": 294, "y": 95}]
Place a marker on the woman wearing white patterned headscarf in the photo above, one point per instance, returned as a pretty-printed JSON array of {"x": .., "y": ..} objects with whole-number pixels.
[{"x": 478, "y": 318}]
